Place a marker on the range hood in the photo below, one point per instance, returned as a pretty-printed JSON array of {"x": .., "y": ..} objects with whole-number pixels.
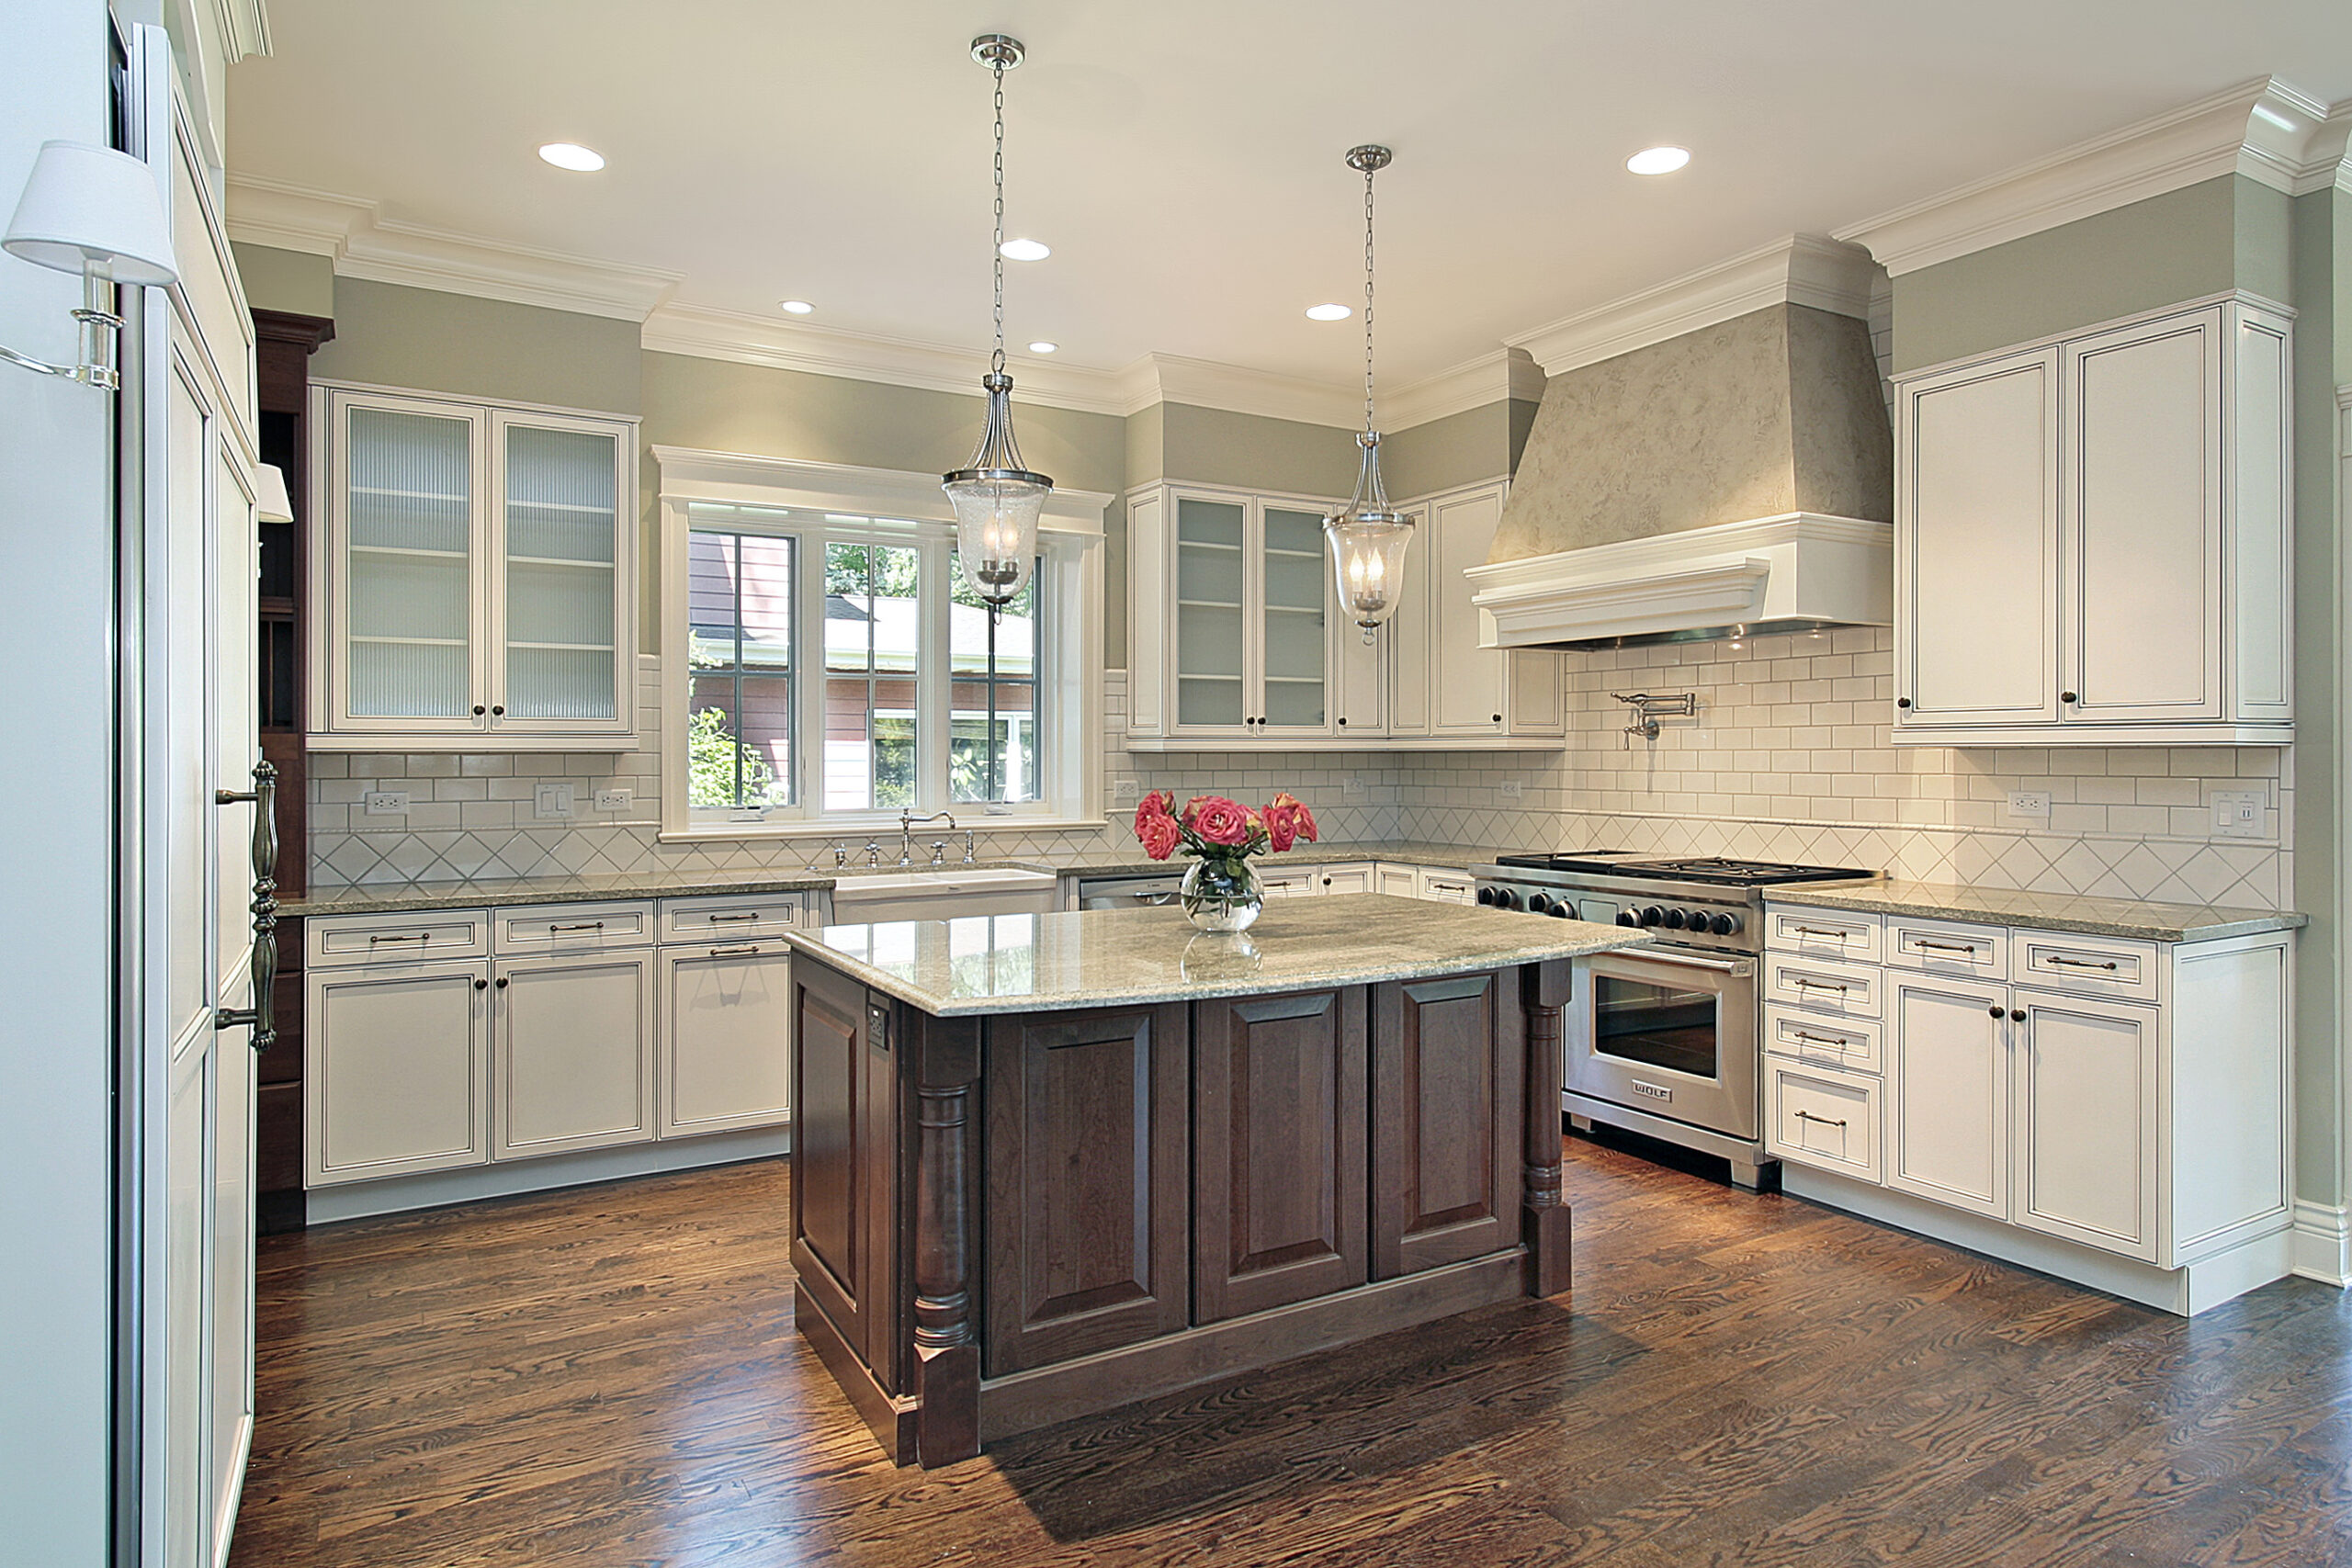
[{"x": 1710, "y": 458}]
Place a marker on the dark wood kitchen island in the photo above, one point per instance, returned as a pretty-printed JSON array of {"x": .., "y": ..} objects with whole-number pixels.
[{"x": 1045, "y": 1165}]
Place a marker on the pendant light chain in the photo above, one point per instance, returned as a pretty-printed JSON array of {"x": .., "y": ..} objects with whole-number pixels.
[
  {"x": 996, "y": 362},
  {"x": 1367, "y": 299}
]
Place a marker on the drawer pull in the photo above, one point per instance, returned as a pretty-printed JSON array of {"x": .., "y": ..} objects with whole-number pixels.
[
  {"x": 746, "y": 915},
  {"x": 1809, "y": 1116},
  {"x": 1817, "y": 930},
  {"x": 1812, "y": 1039},
  {"x": 1800, "y": 983},
  {"x": 2060, "y": 961},
  {"x": 578, "y": 926},
  {"x": 376, "y": 937},
  {"x": 1967, "y": 947},
  {"x": 747, "y": 948}
]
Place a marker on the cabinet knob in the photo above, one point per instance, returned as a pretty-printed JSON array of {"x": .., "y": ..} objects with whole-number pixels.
[
  {"x": 2068, "y": 697},
  {"x": 2018, "y": 1014},
  {"x": 1343, "y": 724},
  {"x": 1998, "y": 1010},
  {"x": 498, "y": 710},
  {"x": 501, "y": 982},
  {"x": 482, "y": 984},
  {"x": 480, "y": 710},
  {"x": 1326, "y": 882},
  {"x": 1497, "y": 719},
  {"x": 1903, "y": 702}
]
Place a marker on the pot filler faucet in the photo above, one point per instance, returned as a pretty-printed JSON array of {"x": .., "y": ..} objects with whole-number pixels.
[{"x": 907, "y": 820}]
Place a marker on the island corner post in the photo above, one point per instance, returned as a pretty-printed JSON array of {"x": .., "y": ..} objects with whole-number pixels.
[{"x": 919, "y": 1181}]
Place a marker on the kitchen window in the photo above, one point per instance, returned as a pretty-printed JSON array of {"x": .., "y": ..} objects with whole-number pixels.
[{"x": 838, "y": 671}]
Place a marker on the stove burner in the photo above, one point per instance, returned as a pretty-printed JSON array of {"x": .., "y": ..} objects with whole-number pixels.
[{"x": 1705, "y": 868}]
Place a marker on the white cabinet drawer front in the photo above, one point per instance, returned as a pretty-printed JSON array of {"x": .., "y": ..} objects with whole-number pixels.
[
  {"x": 1849, "y": 991},
  {"x": 333, "y": 939},
  {"x": 1948, "y": 947},
  {"x": 1850, "y": 1044},
  {"x": 1294, "y": 885},
  {"x": 715, "y": 918},
  {"x": 571, "y": 927},
  {"x": 1822, "y": 1118},
  {"x": 1448, "y": 886},
  {"x": 2098, "y": 966},
  {"x": 1351, "y": 878},
  {"x": 1823, "y": 934}
]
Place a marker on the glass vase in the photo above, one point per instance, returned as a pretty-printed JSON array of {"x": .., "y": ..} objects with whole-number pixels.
[{"x": 1222, "y": 895}]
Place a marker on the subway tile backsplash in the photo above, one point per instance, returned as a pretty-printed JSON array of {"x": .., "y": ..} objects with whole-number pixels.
[{"x": 1787, "y": 758}]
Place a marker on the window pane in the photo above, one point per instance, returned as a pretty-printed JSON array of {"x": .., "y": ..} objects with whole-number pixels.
[
  {"x": 992, "y": 730},
  {"x": 738, "y": 613},
  {"x": 873, "y": 632}
]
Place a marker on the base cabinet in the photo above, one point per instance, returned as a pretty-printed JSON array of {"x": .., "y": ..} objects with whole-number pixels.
[
  {"x": 1949, "y": 1104},
  {"x": 2083, "y": 1151},
  {"x": 726, "y": 1013},
  {"x": 574, "y": 1047},
  {"x": 398, "y": 1076}
]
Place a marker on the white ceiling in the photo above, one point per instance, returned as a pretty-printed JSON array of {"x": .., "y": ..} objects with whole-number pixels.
[{"x": 1184, "y": 161}]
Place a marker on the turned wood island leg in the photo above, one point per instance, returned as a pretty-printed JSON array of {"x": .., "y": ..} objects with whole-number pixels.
[
  {"x": 946, "y": 1341},
  {"x": 1543, "y": 990}
]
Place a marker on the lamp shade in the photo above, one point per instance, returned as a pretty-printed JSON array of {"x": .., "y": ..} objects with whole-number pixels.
[
  {"x": 96, "y": 209},
  {"x": 273, "y": 504}
]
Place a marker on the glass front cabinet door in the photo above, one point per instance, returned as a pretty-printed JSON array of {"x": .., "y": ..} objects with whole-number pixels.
[{"x": 472, "y": 577}]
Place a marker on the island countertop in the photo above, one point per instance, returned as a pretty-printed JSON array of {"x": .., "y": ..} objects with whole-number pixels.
[{"x": 1008, "y": 963}]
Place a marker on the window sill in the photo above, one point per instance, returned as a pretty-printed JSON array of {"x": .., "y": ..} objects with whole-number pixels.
[{"x": 877, "y": 830}]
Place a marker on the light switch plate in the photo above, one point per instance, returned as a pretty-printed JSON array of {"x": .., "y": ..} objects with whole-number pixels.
[
  {"x": 614, "y": 799},
  {"x": 386, "y": 803},
  {"x": 2237, "y": 813},
  {"x": 551, "y": 800},
  {"x": 2032, "y": 804}
]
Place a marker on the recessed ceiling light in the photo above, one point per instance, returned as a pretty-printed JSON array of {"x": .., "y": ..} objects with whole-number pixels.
[
  {"x": 1658, "y": 160},
  {"x": 796, "y": 306},
  {"x": 1025, "y": 250},
  {"x": 1044, "y": 347},
  {"x": 573, "y": 156},
  {"x": 1328, "y": 313}
]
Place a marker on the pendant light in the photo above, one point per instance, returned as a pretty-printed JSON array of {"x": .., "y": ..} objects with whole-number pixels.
[
  {"x": 997, "y": 500},
  {"x": 1368, "y": 536}
]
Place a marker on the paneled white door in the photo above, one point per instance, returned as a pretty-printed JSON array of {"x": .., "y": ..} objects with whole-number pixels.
[
  {"x": 2084, "y": 1145},
  {"x": 726, "y": 1037},
  {"x": 1947, "y": 1082},
  {"x": 571, "y": 1044}
]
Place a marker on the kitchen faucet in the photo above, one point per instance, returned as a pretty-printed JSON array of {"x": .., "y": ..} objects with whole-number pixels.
[{"x": 907, "y": 820}]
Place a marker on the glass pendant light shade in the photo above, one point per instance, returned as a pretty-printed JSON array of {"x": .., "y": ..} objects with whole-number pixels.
[
  {"x": 997, "y": 502},
  {"x": 1368, "y": 545}
]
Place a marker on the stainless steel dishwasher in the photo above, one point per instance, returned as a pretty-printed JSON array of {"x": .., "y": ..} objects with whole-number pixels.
[{"x": 1126, "y": 892}]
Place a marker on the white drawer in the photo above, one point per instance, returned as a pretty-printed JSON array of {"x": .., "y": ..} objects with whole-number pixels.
[
  {"x": 573, "y": 928},
  {"x": 717, "y": 917},
  {"x": 2089, "y": 965},
  {"x": 1948, "y": 947},
  {"x": 1847, "y": 991},
  {"x": 1850, "y": 1044},
  {"x": 1822, "y": 933},
  {"x": 423, "y": 938},
  {"x": 1823, "y": 1118}
]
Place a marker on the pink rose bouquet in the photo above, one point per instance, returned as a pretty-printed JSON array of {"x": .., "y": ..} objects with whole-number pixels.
[{"x": 1215, "y": 828}]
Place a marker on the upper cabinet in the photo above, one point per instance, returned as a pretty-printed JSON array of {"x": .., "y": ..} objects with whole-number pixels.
[
  {"x": 1239, "y": 644},
  {"x": 2093, "y": 539},
  {"x": 477, "y": 573}
]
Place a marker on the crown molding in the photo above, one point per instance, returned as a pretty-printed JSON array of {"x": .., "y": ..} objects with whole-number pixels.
[
  {"x": 244, "y": 29},
  {"x": 363, "y": 244},
  {"x": 1204, "y": 383},
  {"x": 687, "y": 473},
  {"x": 2264, "y": 129},
  {"x": 1803, "y": 269},
  {"x": 1474, "y": 384}
]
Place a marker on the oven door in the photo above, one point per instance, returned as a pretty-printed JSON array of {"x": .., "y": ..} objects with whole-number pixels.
[{"x": 1669, "y": 1033}]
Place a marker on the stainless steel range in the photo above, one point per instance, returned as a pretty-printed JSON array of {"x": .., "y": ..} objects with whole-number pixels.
[{"x": 1662, "y": 1039}]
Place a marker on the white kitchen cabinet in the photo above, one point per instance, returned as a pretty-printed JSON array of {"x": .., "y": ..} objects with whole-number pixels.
[
  {"x": 726, "y": 1033},
  {"x": 1446, "y": 886},
  {"x": 396, "y": 1075},
  {"x": 1947, "y": 1069},
  {"x": 1356, "y": 877},
  {"x": 1398, "y": 881},
  {"x": 1475, "y": 691},
  {"x": 473, "y": 565},
  {"x": 2092, "y": 538},
  {"x": 572, "y": 1044},
  {"x": 2084, "y": 1120}
]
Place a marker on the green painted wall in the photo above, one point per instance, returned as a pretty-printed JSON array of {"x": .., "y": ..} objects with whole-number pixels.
[
  {"x": 1213, "y": 446},
  {"x": 394, "y": 336},
  {"x": 1460, "y": 449},
  {"x": 285, "y": 280},
  {"x": 1147, "y": 445}
]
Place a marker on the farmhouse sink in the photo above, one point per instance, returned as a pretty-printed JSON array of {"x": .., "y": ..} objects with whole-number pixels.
[{"x": 949, "y": 893}]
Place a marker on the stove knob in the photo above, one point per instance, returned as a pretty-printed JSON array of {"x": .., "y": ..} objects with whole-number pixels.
[
  {"x": 1724, "y": 925},
  {"x": 1537, "y": 903},
  {"x": 1652, "y": 915},
  {"x": 1625, "y": 917},
  {"x": 1561, "y": 912},
  {"x": 1486, "y": 897},
  {"x": 1506, "y": 899},
  {"x": 1674, "y": 919}
]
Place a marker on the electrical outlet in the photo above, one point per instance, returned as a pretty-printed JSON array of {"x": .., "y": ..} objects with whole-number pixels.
[
  {"x": 2237, "y": 813},
  {"x": 1354, "y": 787},
  {"x": 551, "y": 800},
  {"x": 614, "y": 799},
  {"x": 1126, "y": 792},
  {"x": 2029, "y": 803},
  {"x": 386, "y": 803},
  {"x": 1512, "y": 789}
]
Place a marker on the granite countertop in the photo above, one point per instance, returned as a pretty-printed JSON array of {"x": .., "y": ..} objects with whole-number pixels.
[
  {"x": 1437, "y": 857},
  {"x": 2042, "y": 911},
  {"x": 408, "y": 896},
  {"x": 1109, "y": 957}
]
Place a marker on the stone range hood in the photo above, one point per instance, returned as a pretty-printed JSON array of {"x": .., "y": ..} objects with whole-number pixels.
[{"x": 1711, "y": 458}]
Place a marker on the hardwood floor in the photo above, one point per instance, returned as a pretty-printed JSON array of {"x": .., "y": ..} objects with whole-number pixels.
[{"x": 610, "y": 1377}]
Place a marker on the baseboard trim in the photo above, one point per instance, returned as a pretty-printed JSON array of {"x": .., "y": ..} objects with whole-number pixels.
[
  {"x": 439, "y": 1189},
  {"x": 2323, "y": 1243}
]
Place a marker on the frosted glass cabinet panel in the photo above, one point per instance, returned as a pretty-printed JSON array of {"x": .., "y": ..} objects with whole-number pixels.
[
  {"x": 1248, "y": 651},
  {"x": 1210, "y": 681},
  {"x": 477, "y": 575},
  {"x": 1296, "y": 635}
]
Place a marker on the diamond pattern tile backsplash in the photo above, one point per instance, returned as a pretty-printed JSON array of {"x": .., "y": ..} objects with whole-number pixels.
[{"x": 1787, "y": 759}]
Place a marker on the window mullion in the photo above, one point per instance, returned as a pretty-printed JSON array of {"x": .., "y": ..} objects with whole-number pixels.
[{"x": 935, "y": 680}]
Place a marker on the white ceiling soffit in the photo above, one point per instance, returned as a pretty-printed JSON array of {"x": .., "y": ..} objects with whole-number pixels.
[
  {"x": 363, "y": 244},
  {"x": 2263, "y": 128},
  {"x": 1803, "y": 269}
]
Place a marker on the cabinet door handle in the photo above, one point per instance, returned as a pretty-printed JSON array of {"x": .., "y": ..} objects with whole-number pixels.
[
  {"x": 719, "y": 920},
  {"x": 1812, "y": 1039},
  {"x": 1999, "y": 1009},
  {"x": 480, "y": 710},
  {"x": 263, "y": 1015},
  {"x": 501, "y": 982},
  {"x": 482, "y": 984},
  {"x": 1802, "y": 984},
  {"x": 498, "y": 710},
  {"x": 1923, "y": 943},
  {"x": 1903, "y": 702},
  {"x": 2059, "y": 961},
  {"x": 1817, "y": 930},
  {"x": 1497, "y": 719},
  {"x": 739, "y": 952},
  {"x": 375, "y": 937},
  {"x": 578, "y": 926},
  {"x": 1827, "y": 1121}
]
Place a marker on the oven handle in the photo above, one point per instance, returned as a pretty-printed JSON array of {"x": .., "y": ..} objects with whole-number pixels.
[{"x": 1738, "y": 968}]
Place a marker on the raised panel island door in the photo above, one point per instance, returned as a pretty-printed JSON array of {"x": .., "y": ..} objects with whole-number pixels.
[
  {"x": 1948, "y": 1076},
  {"x": 2086, "y": 1121},
  {"x": 1278, "y": 1145},
  {"x": 843, "y": 1163},
  {"x": 1448, "y": 1070},
  {"x": 1977, "y": 546},
  {"x": 1088, "y": 1173},
  {"x": 574, "y": 1044}
]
